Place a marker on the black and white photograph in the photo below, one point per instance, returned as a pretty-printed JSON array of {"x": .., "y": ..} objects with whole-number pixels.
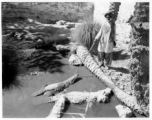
[{"x": 78, "y": 59}]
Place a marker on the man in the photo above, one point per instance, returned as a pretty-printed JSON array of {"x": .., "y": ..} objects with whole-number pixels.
[{"x": 106, "y": 37}]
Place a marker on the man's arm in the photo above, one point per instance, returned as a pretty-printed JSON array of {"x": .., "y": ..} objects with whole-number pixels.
[
  {"x": 98, "y": 36},
  {"x": 114, "y": 32}
]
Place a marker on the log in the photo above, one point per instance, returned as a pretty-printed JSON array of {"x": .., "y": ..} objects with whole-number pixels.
[
  {"x": 90, "y": 63},
  {"x": 58, "y": 108}
]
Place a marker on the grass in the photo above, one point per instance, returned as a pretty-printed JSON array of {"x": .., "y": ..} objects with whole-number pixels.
[{"x": 85, "y": 33}]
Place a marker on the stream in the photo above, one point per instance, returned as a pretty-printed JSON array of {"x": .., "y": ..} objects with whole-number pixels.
[{"x": 18, "y": 102}]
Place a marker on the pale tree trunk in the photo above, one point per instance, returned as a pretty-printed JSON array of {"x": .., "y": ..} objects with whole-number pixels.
[
  {"x": 114, "y": 6},
  {"x": 139, "y": 47}
]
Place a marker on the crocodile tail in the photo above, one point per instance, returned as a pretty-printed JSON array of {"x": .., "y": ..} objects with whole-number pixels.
[
  {"x": 47, "y": 100},
  {"x": 40, "y": 92},
  {"x": 71, "y": 80},
  {"x": 50, "y": 99}
]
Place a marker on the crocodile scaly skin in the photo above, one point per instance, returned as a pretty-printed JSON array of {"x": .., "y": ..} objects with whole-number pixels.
[
  {"x": 81, "y": 97},
  {"x": 52, "y": 89}
]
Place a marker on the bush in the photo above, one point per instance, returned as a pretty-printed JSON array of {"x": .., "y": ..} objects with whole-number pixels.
[{"x": 85, "y": 33}]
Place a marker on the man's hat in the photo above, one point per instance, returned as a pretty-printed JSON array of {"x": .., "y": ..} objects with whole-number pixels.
[{"x": 109, "y": 13}]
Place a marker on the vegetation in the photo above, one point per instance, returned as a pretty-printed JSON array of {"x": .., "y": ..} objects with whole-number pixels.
[
  {"x": 85, "y": 33},
  {"x": 11, "y": 57}
]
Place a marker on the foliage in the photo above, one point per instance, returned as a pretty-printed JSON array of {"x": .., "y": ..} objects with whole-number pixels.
[
  {"x": 141, "y": 13},
  {"x": 85, "y": 33}
]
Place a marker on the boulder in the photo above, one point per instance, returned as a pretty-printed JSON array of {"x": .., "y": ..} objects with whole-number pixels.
[
  {"x": 74, "y": 60},
  {"x": 124, "y": 111}
]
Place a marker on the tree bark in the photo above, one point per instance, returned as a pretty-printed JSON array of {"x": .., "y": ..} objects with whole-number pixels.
[
  {"x": 139, "y": 47},
  {"x": 90, "y": 63}
]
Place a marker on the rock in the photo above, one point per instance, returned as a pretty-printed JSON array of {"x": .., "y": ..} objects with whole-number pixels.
[
  {"x": 39, "y": 43},
  {"x": 115, "y": 78},
  {"x": 74, "y": 60},
  {"x": 62, "y": 47},
  {"x": 11, "y": 27},
  {"x": 33, "y": 21},
  {"x": 119, "y": 74},
  {"x": 37, "y": 73},
  {"x": 102, "y": 98},
  {"x": 124, "y": 111},
  {"x": 61, "y": 22},
  {"x": 70, "y": 25},
  {"x": 127, "y": 41},
  {"x": 73, "y": 49},
  {"x": 117, "y": 83},
  {"x": 122, "y": 87},
  {"x": 128, "y": 92},
  {"x": 107, "y": 91}
]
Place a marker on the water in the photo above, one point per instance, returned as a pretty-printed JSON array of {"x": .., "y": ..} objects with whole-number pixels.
[{"x": 19, "y": 103}]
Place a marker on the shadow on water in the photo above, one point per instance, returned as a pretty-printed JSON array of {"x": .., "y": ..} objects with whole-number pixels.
[
  {"x": 78, "y": 79},
  {"x": 10, "y": 66},
  {"x": 117, "y": 55},
  {"x": 45, "y": 60},
  {"x": 64, "y": 53},
  {"x": 9, "y": 78},
  {"x": 67, "y": 105}
]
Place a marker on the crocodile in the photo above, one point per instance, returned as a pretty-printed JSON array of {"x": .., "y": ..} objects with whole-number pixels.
[
  {"x": 90, "y": 63},
  {"x": 77, "y": 97},
  {"x": 52, "y": 89}
]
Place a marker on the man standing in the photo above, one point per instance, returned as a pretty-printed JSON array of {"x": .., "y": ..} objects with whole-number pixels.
[{"x": 106, "y": 37}]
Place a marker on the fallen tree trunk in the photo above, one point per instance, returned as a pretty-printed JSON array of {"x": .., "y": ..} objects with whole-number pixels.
[
  {"x": 58, "y": 108},
  {"x": 90, "y": 63}
]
